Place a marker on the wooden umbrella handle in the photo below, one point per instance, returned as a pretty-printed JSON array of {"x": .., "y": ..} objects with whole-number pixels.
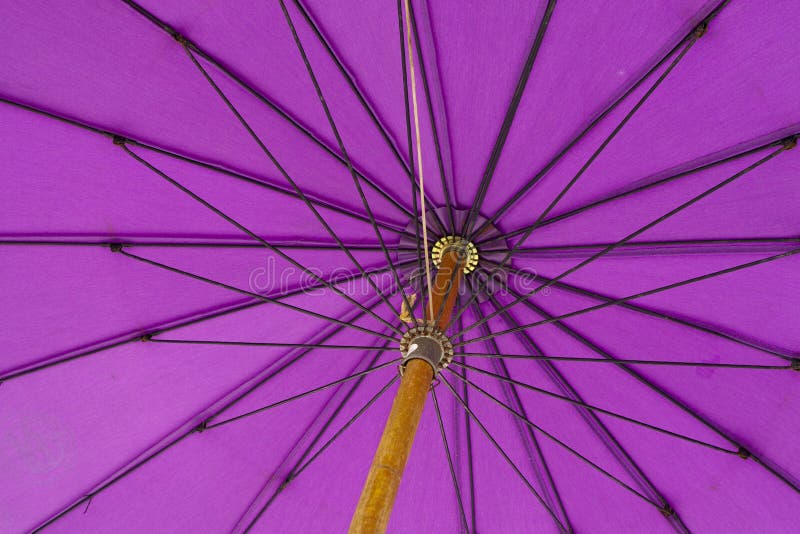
[{"x": 378, "y": 496}]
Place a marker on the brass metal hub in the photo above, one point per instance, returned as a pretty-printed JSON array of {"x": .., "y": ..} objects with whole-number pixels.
[{"x": 456, "y": 242}]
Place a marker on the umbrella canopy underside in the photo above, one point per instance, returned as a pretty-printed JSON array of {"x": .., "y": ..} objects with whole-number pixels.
[{"x": 192, "y": 193}]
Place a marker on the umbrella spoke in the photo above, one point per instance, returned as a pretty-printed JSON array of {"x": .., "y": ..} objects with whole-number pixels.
[
  {"x": 190, "y": 426},
  {"x": 503, "y": 453},
  {"x": 343, "y": 150},
  {"x": 529, "y": 441},
  {"x": 153, "y": 330},
  {"x": 650, "y": 248},
  {"x": 742, "y": 451},
  {"x": 285, "y": 115},
  {"x": 690, "y": 37},
  {"x": 593, "y": 408},
  {"x": 558, "y": 442},
  {"x": 788, "y": 145},
  {"x": 265, "y": 344},
  {"x": 524, "y": 298},
  {"x": 470, "y": 456},
  {"x": 638, "y": 189},
  {"x": 260, "y": 296},
  {"x": 261, "y": 182},
  {"x": 128, "y": 470},
  {"x": 468, "y": 438},
  {"x": 292, "y": 472},
  {"x": 289, "y": 179},
  {"x": 691, "y": 40},
  {"x": 414, "y": 185},
  {"x": 296, "y": 472},
  {"x": 391, "y": 143},
  {"x": 462, "y": 515},
  {"x": 621, "y": 361},
  {"x": 303, "y": 394},
  {"x": 193, "y": 244},
  {"x": 508, "y": 119},
  {"x": 740, "y": 340},
  {"x": 299, "y": 466},
  {"x": 368, "y": 109},
  {"x": 264, "y": 242},
  {"x": 451, "y": 227},
  {"x": 596, "y": 425}
]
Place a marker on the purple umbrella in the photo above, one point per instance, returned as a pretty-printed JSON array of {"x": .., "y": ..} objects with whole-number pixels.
[{"x": 226, "y": 227}]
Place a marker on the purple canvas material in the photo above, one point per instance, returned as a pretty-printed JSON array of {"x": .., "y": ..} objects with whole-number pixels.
[{"x": 641, "y": 174}]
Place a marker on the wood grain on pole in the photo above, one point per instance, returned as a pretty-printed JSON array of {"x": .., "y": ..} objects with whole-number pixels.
[{"x": 386, "y": 471}]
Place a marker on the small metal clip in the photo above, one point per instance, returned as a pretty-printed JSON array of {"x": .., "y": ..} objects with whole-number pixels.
[
  {"x": 180, "y": 38},
  {"x": 701, "y": 29},
  {"x": 667, "y": 510}
]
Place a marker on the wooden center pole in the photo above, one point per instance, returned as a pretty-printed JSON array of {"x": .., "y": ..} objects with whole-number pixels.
[{"x": 380, "y": 489}]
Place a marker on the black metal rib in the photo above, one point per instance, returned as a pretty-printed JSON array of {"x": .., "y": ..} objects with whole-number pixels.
[
  {"x": 643, "y": 229},
  {"x": 508, "y": 119},
  {"x": 305, "y": 130},
  {"x": 138, "y": 334},
  {"x": 598, "y": 427},
  {"x": 296, "y": 472},
  {"x": 556, "y": 440},
  {"x": 193, "y": 244},
  {"x": 503, "y": 454},
  {"x": 141, "y": 460},
  {"x": 470, "y": 457},
  {"x": 468, "y": 437},
  {"x": 264, "y": 344},
  {"x": 414, "y": 185},
  {"x": 299, "y": 467},
  {"x": 692, "y": 40},
  {"x": 743, "y": 452},
  {"x": 621, "y": 361},
  {"x": 597, "y": 409},
  {"x": 681, "y": 246},
  {"x": 602, "y": 115},
  {"x": 258, "y": 295},
  {"x": 526, "y": 434},
  {"x": 343, "y": 150},
  {"x": 390, "y": 141},
  {"x": 638, "y": 189},
  {"x": 303, "y": 394},
  {"x": 327, "y": 204},
  {"x": 264, "y": 242},
  {"x": 456, "y": 488},
  {"x": 523, "y": 297},
  {"x": 432, "y": 118},
  {"x": 292, "y": 472},
  {"x": 639, "y": 308},
  {"x": 289, "y": 179}
]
